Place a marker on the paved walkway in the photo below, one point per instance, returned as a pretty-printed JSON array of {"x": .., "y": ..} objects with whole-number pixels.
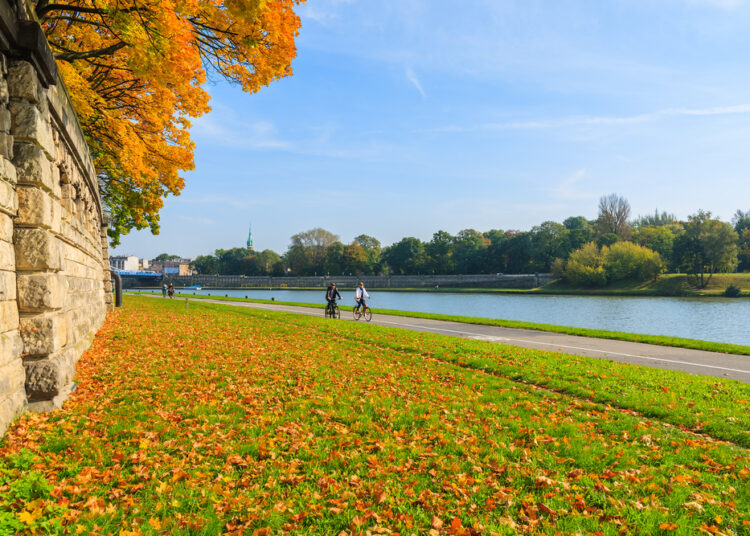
[{"x": 699, "y": 362}]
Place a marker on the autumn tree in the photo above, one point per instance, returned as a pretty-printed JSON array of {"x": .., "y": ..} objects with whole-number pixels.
[{"x": 136, "y": 70}]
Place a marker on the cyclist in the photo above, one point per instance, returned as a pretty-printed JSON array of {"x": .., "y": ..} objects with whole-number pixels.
[
  {"x": 359, "y": 296},
  {"x": 331, "y": 293}
]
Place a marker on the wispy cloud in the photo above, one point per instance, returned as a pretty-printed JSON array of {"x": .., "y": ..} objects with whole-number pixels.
[
  {"x": 721, "y": 4},
  {"x": 596, "y": 120},
  {"x": 573, "y": 187},
  {"x": 192, "y": 219},
  {"x": 255, "y": 135},
  {"x": 412, "y": 78}
]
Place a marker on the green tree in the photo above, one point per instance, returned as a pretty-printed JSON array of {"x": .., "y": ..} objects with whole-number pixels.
[
  {"x": 580, "y": 232},
  {"x": 206, "y": 265},
  {"x": 657, "y": 219},
  {"x": 406, "y": 256},
  {"x": 550, "y": 241},
  {"x": 626, "y": 260},
  {"x": 308, "y": 251},
  {"x": 373, "y": 251},
  {"x": 658, "y": 238},
  {"x": 166, "y": 257},
  {"x": 355, "y": 258},
  {"x": 439, "y": 251},
  {"x": 585, "y": 267},
  {"x": 468, "y": 251},
  {"x": 707, "y": 246}
]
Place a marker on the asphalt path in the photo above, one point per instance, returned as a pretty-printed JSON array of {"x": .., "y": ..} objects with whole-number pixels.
[{"x": 730, "y": 366}]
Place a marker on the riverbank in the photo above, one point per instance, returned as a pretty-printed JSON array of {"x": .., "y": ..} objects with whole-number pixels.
[
  {"x": 667, "y": 285},
  {"x": 678, "y": 342},
  {"x": 214, "y": 420}
]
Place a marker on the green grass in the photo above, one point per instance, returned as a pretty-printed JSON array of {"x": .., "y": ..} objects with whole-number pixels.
[
  {"x": 216, "y": 420},
  {"x": 660, "y": 340}
]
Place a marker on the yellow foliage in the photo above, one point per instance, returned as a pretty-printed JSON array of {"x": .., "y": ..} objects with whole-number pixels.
[{"x": 136, "y": 69}]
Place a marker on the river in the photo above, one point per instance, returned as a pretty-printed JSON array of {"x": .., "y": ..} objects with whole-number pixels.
[{"x": 709, "y": 319}]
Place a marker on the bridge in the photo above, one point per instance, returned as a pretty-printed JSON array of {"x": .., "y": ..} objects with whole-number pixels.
[{"x": 140, "y": 278}]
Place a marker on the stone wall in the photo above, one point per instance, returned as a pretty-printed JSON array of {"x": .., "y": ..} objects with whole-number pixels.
[
  {"x": 523, "y": 281},
  {"x": 54, "y": 270}
]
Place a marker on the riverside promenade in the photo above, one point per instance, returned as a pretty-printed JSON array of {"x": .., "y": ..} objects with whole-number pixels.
[{"x": 699, "y": 362}]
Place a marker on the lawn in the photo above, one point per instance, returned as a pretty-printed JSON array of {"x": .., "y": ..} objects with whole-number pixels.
[{"x": 220, "y": 420}]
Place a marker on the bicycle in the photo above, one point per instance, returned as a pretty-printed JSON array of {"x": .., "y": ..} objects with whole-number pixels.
[
  {"x": 365, "y": 312},
  {"x": 333, "y": 311}
]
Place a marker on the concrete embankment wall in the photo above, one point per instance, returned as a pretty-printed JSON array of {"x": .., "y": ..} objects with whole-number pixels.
[
  {"x": 523, "y": 281},
  {"x": 54, "y": 266}
]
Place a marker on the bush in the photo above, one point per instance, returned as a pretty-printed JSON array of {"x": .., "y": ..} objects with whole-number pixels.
[
  {"x": 625, "y": 260},
  {"x": 558, "y": 268},
  {"x": 586, "y": 267},
  {"x": 732, "y": 291}
]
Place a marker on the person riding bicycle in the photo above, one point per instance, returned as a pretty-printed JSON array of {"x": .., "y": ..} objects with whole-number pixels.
[
  {"x": 359, "y": 297},
  {"x": 331, "y": 293}
]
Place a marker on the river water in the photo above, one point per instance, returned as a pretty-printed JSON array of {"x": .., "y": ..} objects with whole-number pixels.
[{"x": 709, "y": 319}]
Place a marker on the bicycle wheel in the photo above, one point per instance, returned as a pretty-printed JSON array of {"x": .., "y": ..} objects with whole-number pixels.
[
  {"x": 367, "y": 313},
  {"x": 327, "y": 312},
  {"x": 336, "y": 312},
  {"x": 356, "y": 314}
]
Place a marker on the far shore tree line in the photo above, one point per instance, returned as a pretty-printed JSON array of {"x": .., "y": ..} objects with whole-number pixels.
[{"x": 583, "y": 252}]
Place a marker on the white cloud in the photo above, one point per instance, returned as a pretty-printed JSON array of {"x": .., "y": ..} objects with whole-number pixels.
[
  {"x": 721, "y": 4},
  {"x": 597, "y": 120},
  {"x": 411, "y": 77},
  {"x": 573, "y": 187}
]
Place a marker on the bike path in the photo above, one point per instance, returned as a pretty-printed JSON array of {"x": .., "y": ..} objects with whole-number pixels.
[{"x": 698, "y": 362}]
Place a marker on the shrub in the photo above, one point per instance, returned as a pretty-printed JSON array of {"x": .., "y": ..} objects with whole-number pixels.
[
  {"x": 732, "y": 291},
  {"x": 626, "y": 260},
  {"x": 558, "y": 268},
  {"x": 585, "y": 267}
]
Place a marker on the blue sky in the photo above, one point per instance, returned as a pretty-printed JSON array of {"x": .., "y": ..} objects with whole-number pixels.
[{"x": 405, "y": 117}]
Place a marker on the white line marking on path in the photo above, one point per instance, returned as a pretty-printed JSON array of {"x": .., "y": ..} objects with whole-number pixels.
[{"x": 505, "y": 339}]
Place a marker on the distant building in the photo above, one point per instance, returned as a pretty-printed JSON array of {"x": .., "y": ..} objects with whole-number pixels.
[
  {"x": 144, "y": 264},
  {"x": 129, "y": 263},
  {"x": 176, "y": 267},
  {"x": 250, "y": 239}
]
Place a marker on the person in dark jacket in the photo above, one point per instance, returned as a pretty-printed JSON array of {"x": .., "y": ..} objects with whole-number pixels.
[{"x": 331, "y": 293}]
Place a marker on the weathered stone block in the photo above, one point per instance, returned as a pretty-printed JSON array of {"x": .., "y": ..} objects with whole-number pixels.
[
  {"x": 6, "y": 145},
  {"x": 28, "y": 124},
  {"x": 11, "y": 346},
  {"x": 43, "y": 334},
  {"x": 8, "y": 199},
  {"x": 23, "y": 81},
  {"x": 32, "y": 166},
  {"x": 6, "y": 228},
  {"x": 11, "y": 378},
  {"x": 43, "y": 379},
  {"x": 4, "y": 95},
  {"x": 8, "y": 314},
  {"x": 41, "y": 291},
  {"x": 36, "y": 208},
  {"x": 10, "y": 408},
  {"x": 8, "y": 171},
  {"x": 7, "y": 256},
  {"x": 7, "y": 287},
  {"x": 37, "y": 249},
  {"x": 4, "y": 119}
]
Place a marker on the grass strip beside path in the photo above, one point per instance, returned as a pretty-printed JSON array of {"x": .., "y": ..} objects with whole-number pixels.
[
  {"x": 211, "y": 420},
  {"x": 660, "y": 340}
]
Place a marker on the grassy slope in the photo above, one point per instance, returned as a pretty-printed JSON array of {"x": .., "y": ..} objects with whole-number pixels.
[
  {"x": 678, "y": 342},
  {"x": 212, "y": 420}
]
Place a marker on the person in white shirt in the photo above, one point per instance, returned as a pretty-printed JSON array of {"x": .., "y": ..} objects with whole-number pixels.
[{"x": 359, "y": 296}]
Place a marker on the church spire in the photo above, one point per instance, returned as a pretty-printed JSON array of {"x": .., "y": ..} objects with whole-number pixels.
[{"x": 250, "y": 238}]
